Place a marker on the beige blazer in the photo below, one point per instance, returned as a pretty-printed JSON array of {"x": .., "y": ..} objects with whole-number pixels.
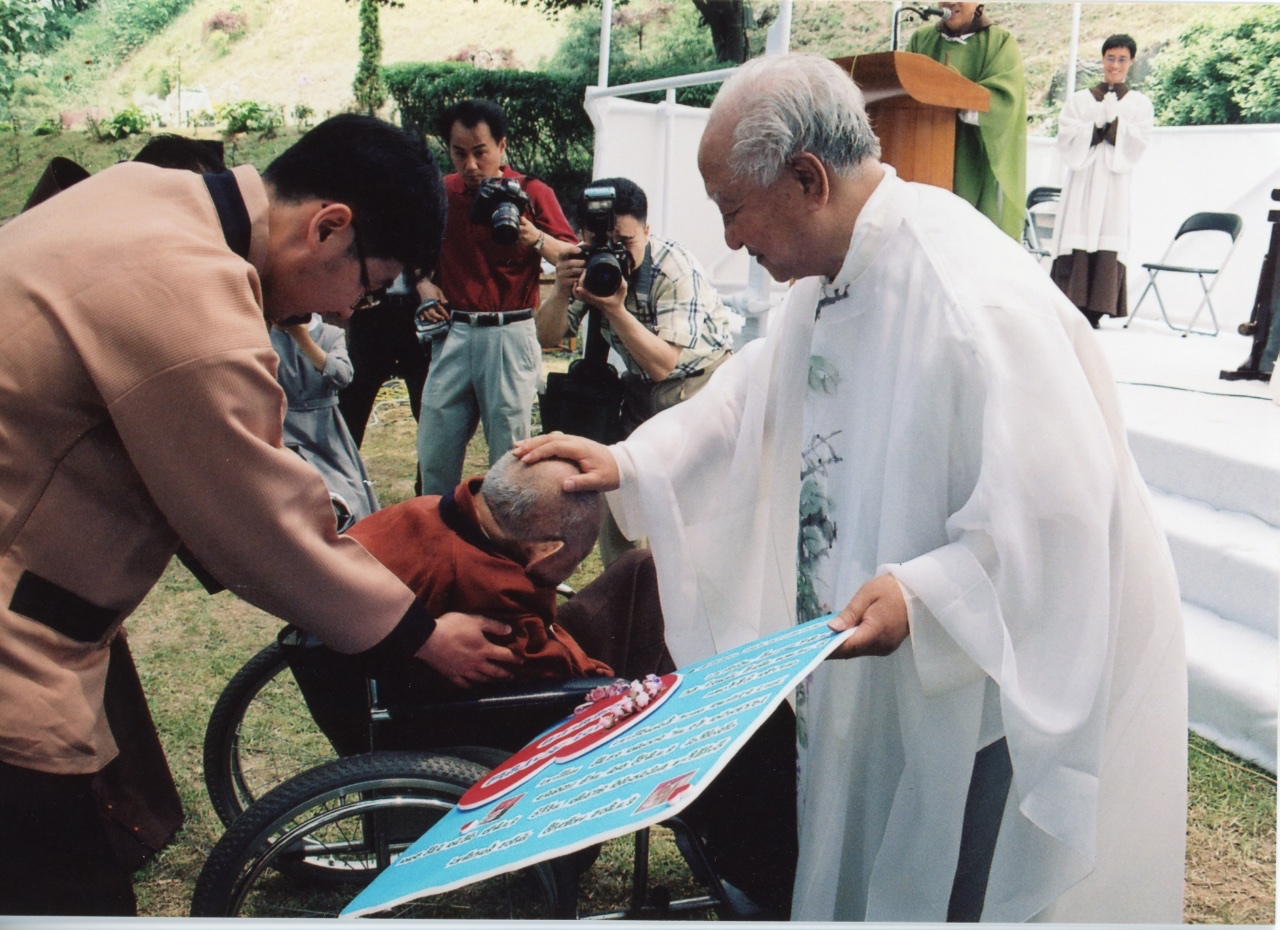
[{"x": 139, "y": 407}]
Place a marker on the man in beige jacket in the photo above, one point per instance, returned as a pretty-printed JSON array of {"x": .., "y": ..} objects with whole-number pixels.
[{"x": 138, "y": 408}]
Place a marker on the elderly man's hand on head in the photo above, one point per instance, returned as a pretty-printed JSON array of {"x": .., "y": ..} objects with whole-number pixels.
[
  {"x": 460, "y": 651},
  {"x": 595, "y": 461}
]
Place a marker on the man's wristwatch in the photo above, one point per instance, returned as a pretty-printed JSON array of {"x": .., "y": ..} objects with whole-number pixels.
[{"x": 542, "y": 239}]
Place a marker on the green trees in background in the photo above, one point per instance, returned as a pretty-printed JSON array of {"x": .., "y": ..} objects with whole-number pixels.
[
  {"x": 134, "y": 22},
  {"x": 23, "y": 26},
  {"x": 1220, "y": 73},
  {"x": 370, "y": 93},
  {"x": 549, "y": 134},
  {"x": 729, "y": 22}
]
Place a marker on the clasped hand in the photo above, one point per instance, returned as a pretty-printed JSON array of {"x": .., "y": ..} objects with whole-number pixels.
[{"x": 460, "y": 650}]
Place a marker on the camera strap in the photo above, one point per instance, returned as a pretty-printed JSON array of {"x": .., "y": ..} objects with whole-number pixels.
[{"x": 232, "y": 213}]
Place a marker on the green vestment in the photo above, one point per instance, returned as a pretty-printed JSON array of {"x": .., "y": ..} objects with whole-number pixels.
[{"x": 991, "y": 158}]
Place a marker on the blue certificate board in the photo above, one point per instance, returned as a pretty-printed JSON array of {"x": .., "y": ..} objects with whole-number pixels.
[{"x": 598, "y": 775}]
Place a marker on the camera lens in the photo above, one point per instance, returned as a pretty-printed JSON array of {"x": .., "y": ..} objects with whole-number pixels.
[
  {"x": 602, "y": 275},
  {"x": 506, "y": 223}
]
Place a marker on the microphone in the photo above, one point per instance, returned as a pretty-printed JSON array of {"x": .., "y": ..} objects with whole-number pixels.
[{"x": 923, "y": 12}]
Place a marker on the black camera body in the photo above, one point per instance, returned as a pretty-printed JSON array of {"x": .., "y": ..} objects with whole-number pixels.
[
  {"x": 608, "y": 262},
  {"x": 498, "y": 204}
]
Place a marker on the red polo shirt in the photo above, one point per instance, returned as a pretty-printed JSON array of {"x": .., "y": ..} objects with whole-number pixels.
[{"x": 478, "y": 274}]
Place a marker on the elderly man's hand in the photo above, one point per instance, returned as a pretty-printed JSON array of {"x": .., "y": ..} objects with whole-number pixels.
[
  {"x": 595, "y": 461},
  {"x": 878, "y": 616},
  {"x": 460, "y": 651}
]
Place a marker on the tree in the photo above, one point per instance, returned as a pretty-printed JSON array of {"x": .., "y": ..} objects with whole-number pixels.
[
  {"x": 22, "y": 27},
  {"x": 728, "y": 21},
  {"x": 369, "y": 91},
  {"x": 1220, "y": 73}
]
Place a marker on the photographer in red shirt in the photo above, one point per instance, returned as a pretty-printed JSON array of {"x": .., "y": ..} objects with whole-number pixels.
[{"x": 501, "y": 224}]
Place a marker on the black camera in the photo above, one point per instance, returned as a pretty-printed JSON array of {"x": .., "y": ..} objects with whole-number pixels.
[
  {"x": 498, "y": 205},
  {"x": 608, "y": 262}
]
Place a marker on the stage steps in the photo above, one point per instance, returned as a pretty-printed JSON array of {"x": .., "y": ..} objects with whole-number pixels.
[{"x": 1213, "y": 466}]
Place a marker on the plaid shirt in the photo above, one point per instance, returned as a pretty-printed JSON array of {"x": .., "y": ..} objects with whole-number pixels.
[{"x": 671, "y": 295}]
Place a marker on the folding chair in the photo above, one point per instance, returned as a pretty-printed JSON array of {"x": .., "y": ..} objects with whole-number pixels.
[
  {"x": 1209, "y": 224},
  {"x": 1038, "y": 228}
]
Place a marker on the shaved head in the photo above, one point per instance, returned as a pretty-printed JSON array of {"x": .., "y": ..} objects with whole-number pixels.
[{"x": 529, "y": 503}]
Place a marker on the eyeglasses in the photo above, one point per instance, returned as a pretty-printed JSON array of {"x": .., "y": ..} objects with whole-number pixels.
[{"x": 368, "y": 299}]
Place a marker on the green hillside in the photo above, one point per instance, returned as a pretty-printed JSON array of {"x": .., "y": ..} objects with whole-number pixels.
[
  {"x": 291, "y": 52},
  {"x": 302, "y": 54}
]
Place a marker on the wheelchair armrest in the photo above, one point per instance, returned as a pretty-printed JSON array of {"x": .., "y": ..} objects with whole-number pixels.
[
  {"x": 505, "y": 716},
  {"x": 527, "y": 693}
]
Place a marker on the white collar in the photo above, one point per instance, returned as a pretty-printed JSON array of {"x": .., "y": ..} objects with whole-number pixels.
[{"x": 878, "y": 217}]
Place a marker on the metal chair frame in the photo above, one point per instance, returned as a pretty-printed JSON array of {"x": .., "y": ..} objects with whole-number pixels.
[
  {"x": 1229, "y": 223},
  {"x": 1030, "y": 232}
]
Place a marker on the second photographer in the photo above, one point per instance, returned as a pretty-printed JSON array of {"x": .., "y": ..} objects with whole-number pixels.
[
  {"x": 662, "y": 315},
  {"x": 501, "y": 225}
]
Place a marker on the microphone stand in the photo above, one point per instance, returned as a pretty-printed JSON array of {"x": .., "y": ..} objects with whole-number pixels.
[{"x": 923, "y": 12}]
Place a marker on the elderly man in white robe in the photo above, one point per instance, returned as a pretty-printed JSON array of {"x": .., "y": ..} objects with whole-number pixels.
[{"x": 933, "y": 423}]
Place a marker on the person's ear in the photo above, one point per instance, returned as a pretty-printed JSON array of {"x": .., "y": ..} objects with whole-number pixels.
[
  {"x": 812, "y": 177},
  {"x": 537, "y": 552},
  {"x": 328, "y": 218},
  {"x": 502, "y": 150}
]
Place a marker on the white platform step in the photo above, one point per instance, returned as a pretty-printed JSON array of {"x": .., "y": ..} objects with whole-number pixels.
[
  {"x": 1227, "y": 562},
  {"x": 1232, "y": 685},
  {"x": 1224, "y": 451}
]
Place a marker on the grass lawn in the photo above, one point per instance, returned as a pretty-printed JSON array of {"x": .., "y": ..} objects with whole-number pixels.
[{"x": 187, "y": 645}]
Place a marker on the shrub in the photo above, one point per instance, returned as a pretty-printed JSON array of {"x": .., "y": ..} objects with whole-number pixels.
[
  {"x": 1220, "y": 73},
  {"x": 229, "y": 22},
  {"x": 302, "y": 114},
  {"x": 549, "y": 134},
  {"x": 48, "y": 127},
  {"x": 123, "y": 123},
  {"x": 250, "y": 116}
]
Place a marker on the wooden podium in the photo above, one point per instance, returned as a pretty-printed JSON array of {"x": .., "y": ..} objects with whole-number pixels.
[{"x": 912, "y": 101}]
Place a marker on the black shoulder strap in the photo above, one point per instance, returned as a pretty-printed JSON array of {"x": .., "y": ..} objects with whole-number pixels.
[
  {"x": 232, "y": 213},
  {"x": 234, "y": 217}
]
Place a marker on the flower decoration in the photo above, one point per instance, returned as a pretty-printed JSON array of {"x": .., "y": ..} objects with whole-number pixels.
[{"x": 629, "y": 697}]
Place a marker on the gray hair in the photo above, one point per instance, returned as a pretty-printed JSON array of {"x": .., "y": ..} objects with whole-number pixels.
[
  {"x": 530, "y": 505},
  {"x": 788, "y": 104}
]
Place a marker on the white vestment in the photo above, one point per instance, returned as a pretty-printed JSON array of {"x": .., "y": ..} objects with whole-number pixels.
[
  {"x": 982, "y": 460},
  {"x": 1093, "y": 212}
]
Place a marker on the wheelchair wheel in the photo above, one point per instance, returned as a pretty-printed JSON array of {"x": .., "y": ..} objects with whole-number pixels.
[
  {"x": 308, "y": 847},
  {"x": 259, "y": 734}
]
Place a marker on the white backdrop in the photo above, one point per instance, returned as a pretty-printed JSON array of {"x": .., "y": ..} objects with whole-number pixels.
[{"x": 1185, "y": 170}]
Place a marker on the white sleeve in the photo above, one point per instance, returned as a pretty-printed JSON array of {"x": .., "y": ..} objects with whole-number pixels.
[
  {"x": 1133, "y": 132},
  {"x": 1075, "y": 130}
]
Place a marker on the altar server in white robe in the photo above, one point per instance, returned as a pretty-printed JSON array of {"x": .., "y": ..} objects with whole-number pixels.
[
  {"x": 929, "y": 443},
  {"x": 1102, "y": 133}
]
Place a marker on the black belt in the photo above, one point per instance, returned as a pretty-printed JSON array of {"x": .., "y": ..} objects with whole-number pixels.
[{"x": 498, "y": 318}]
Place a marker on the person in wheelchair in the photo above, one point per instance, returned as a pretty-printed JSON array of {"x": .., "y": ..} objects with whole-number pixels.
[{"x": 498, "y": 546}]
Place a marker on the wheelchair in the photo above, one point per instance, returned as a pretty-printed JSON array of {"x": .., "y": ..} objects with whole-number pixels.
[{"x": 323, "y": 776}]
